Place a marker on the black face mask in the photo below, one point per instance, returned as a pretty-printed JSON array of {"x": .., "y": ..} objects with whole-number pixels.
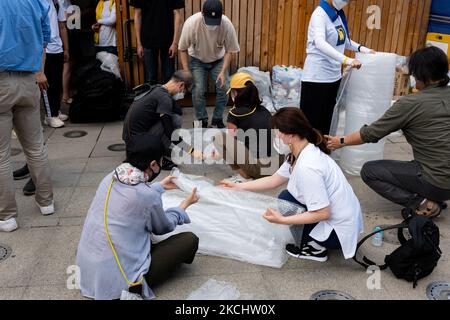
[{"x": 155, "y": 175}]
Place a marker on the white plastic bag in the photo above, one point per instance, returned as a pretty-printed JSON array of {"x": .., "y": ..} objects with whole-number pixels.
[
  {"x": 369, "y": 96},
  {"x": 110, "y": 63},
  {"x": 286, "y": 86},
  {"x": 215, "y": 290},
  {"x": 230, "y": 223}
]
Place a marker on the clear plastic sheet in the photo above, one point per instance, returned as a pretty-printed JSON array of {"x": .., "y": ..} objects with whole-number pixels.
[
  {"x": 215, "y": 290},
  {"x": 286, "y": 86},
  {"x": 369, "y": 96},
  {"x": 230, "y": 223},
  {"x": 110, "y": 63}
]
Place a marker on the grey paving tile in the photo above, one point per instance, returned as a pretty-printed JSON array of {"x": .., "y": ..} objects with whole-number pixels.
[
  {"x": 101, "y": 149},
  {"x": 93, "y": 134}
]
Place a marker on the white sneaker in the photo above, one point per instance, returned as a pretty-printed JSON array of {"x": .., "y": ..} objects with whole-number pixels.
[
  {"x": 63, "y": 117},
  {"x": 237, "y": 178},
  {"x": 8, "y": 225},
  {"x": 54, "y": 122},
  {"x": 48, "y": 210}
]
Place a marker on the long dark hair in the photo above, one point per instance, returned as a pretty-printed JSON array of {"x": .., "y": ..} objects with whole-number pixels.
[
  {"x": 248, "y": 96},
  {"x": 429, "y": 64},
  {"x": 293, "y": 121}
]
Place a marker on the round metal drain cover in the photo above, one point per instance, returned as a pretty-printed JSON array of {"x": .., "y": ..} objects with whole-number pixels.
[
  {"x": 117, "y": 147},
  {"x": 438, "y": 291},
  {"x": 331, "y": 295},
  {"x": 5, "y": 252},
  {"x": 75, "y": 134},
  {"x": 15, "y": 152}
]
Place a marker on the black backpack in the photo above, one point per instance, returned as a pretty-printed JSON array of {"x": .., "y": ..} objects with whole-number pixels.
[{"x": 417, "y": 257}]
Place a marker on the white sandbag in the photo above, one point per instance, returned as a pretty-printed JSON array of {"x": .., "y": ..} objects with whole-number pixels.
[
  {"x": 286, "y": 86},
  {"x": 110, "y": 63},
  {"x": 369, "y": 95},
  {"x": 261, "y": 78},
  {"x": 229, "y": 223}
]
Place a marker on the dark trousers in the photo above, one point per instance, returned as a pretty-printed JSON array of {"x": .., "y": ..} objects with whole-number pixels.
[
  {"x": 112, "y": 50},
  {"x": 167, "y": 255},
  {"x": 151, "y": 59},
  {"x": 54, "y": 64},
  {"x": 317, "y": 103},
  {"x": 331, "y": 243},
  {"x": 401, "y": 182}
]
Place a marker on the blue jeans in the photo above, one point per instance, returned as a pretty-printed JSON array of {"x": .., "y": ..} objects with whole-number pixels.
[
  {"x": 331, "y": 243},
  {"x": 151, "y": 59},
  {"x": 199, "y": 71}
]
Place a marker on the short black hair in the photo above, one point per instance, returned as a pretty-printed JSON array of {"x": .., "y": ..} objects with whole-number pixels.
[
  {"x": 184, "y": 77},
  {"x": 143, "y": 149},
  {"x": 429, "y": 64}
]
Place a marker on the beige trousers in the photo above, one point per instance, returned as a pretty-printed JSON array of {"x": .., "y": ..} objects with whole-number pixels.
[{"x": 20, "y": 109}]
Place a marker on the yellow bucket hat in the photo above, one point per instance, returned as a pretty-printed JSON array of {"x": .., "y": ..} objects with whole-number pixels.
[{"x": 239, "y": 80}]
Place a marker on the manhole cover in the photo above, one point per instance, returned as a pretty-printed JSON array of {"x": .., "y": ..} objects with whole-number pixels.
[
  {"x": 15, "y": 152},
  {"x": 75, "y": 134},
  {"x": 438, "y": 291},
  {"x": 5, "y": 252},
  {"x": 117, "y": 147},
  {"x": 331, "y": 295},
  {"x": 391, "y": 236}
]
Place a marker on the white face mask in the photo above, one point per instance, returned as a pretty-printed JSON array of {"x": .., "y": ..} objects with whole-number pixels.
[
  {"x": 281, "y": 147},
  {"x": 178, "y": 96},
  {"x": 340, "y": 4},
  {"x": 208, "y": 27}
]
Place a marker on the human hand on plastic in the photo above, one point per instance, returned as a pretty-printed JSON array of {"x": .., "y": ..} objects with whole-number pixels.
[
  {"x": 198, "y": 155},
  {"x": 356, "y": 64},
  {"x": 229, "y": 185},
  {"x": 41, "y": 80},
  {"x": 273, "y": 216},
  {"x": 215, "y": 155},
  {"x": 140, "y": 51},
  {"x": 372, "y": 51},
  {"x": 167, "y": 183},
  {"x": 333, "y": 143},
  {"x": 190, "y": 200}
]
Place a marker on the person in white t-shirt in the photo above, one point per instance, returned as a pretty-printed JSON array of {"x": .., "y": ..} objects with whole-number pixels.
[
  {"x": 333, "y": 219},
  {"x": 328, "y": 38},
  {"x": 105, "y": 29},
  {"x": 57, "y": 53}
]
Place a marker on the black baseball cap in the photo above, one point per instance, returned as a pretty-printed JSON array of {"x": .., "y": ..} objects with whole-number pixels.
[{"x": 213, "y": 11}]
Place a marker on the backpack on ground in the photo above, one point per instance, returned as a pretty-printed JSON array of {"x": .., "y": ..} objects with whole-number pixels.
[{"x": 417, "y": 257}]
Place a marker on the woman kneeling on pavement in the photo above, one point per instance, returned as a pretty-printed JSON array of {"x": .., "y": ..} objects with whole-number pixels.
[
  {"x": 116, "y": 253},
  {"x": 333, "y": 219},
  {"x": 247, "y": 120}
]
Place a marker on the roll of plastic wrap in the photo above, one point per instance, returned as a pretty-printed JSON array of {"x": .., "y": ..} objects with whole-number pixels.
[{"x": 369, "y": 95}]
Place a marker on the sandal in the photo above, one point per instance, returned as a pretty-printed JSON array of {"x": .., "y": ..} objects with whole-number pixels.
[{"x": 430, "y": 209}]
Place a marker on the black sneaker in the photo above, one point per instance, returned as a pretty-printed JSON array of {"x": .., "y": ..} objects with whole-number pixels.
[
  {"x": 30, "y": 188},
  {"x": 218, "y": 123},
  {"x": 21, "y": 173},
  {"x": 167, "y": 165},
  {"x": 307, "y": 252},
  {"x": 204, "y": 123}
]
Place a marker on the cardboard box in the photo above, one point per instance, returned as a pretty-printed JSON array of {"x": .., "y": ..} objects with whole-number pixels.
[{"x": 402, "y": 85}]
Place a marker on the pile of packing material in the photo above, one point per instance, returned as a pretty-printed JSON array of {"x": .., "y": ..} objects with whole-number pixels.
[
  {"x": 369, "y": 96},
  {"x": 262, "y": 82},
  {"x": 230, "y": 223},
  {"x": 286, "y": 86}
]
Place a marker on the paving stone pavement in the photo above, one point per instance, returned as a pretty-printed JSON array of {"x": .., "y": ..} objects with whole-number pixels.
[{"x": 44, "y": 248}]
